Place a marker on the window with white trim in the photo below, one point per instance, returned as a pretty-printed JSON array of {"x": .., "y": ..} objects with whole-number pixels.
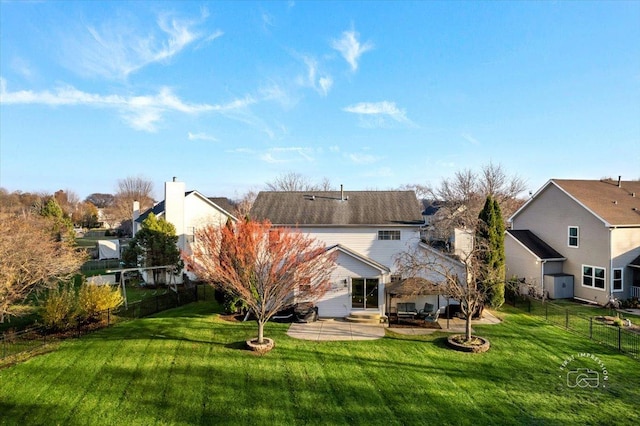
[
  {"x": 388, "y": 235},
  {"x": 617, "y": 279},
  {"x": 574, "y": 236},
  {"x": 594, "y": 277}
]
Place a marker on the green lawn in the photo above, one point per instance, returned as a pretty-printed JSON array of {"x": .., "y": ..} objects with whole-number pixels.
[{"x": 187, "y": 366}]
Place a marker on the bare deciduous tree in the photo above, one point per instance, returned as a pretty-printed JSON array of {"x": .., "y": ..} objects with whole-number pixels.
[
  {"x": 243, "y": 205},
  {"x": 31, "y": 259},
  {"x": 459, "y": 278},
  {"x": 268, "y": 268},
  {"x": 293, "y": 181},
  {"x": 130, "y": 189},
  {"x": 461, "y": 197}
]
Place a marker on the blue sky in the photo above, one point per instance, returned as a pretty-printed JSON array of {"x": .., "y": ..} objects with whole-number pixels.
[{"x": 373, "y": 95}]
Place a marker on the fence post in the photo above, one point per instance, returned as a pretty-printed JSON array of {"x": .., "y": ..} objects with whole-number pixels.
[
  {"x": 566, "y": 320},
  {"x": 108, "y": 317},
  {"x": 619, "y": 339},
  {"x": 157, "y": 304},
  {"x": 529, "y": 309},
  {"x": 591, "y": 328},
  {"x": 546, "y": 311}
]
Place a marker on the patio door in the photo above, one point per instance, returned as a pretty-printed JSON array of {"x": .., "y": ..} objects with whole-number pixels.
[{"x": 364, "y": 293}]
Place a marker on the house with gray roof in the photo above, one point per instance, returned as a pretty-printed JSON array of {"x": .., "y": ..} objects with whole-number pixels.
[
  {"x": 578, "y": 238},
  {"x": 368, "y": 229},
  {"x": 187, "y": 211}
]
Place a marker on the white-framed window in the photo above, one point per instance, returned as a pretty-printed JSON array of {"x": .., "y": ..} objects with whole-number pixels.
[
  {"x": 388, "y": 235},
  {"x": 617, "y": 280},
  {"x": 593, "y": 276},
  {"x": 191, "y": 234},
  {"x": 573, "y": 238}
]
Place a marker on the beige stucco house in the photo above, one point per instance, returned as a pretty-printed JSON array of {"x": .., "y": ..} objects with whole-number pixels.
[{"x": 578, "y": 238}]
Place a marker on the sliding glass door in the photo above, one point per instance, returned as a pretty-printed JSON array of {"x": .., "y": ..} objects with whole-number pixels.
[{"x": 364, "y": 293}]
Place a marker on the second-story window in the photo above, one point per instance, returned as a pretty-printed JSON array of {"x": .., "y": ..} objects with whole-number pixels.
[
  {"x": 388, "y": 235},
  {"x": 574, "y": 236}
]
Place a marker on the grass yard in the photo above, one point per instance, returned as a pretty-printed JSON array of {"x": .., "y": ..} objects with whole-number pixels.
[{"x": 186, "y": 366}]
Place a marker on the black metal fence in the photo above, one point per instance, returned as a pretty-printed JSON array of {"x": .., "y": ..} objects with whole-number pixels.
[
  {"x": 14, "y": 343},
  {"x": 591, "y": 327}
]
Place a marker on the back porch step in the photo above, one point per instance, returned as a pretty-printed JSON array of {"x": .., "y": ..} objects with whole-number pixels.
[{"x": 364, "y": 317}]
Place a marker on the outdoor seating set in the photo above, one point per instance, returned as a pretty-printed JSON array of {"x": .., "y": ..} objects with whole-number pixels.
[{"x": 407, "y": 312}]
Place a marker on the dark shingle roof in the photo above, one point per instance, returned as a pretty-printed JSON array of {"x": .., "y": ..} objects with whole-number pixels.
[
  {"x": 538, "y": 247},
  {"x": 617, "y": 205},
  {"x": 327, "y": 208},
  {"x": 156, "y": 210},
  {"x": 223, "y": 203}
]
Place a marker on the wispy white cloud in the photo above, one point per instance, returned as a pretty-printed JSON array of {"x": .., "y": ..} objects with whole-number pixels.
[
  {"x": 279, "y": 155},
  {"x": 119, "y": 48},
  {"x": 350, "y": 48},
  {"x": 360, "y": 158},
  {"x": 201, "y": 137},
  {"x": 320, "y": 83},
  {"x": 334, "y": 148},
  {"x": 141, "y": 112},
  {"x": 375, "y": 114},
  {"x": 469, "y": 138},
  {"x": 22, "y": 67}
]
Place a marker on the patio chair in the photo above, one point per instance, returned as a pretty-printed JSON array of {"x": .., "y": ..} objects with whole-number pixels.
[
  {"x": 428, "y": 309},
  {"x": 432, "y": 317}
]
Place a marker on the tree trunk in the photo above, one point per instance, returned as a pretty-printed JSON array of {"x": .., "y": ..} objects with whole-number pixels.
[
  {"x": 260, "y": 332},
  {"x": 468, "y": 328}
]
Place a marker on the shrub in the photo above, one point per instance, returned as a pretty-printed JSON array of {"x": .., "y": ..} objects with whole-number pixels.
[
  {"x": 93, "y": 299},
  {"x": 59, "y": 311},
  {"x": 618, "y": 322}
]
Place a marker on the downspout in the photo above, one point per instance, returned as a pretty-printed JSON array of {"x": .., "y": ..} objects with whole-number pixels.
[
  {"x": 542, "y": 262},
  {"x": 611, "y": 262}
]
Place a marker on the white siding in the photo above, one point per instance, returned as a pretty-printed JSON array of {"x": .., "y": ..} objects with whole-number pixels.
[
  {"x": 365, "y": 241},
  {"x": 337, "y": 301}
]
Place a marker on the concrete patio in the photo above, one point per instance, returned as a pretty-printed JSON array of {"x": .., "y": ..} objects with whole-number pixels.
[{"x": 340, "y": 330}]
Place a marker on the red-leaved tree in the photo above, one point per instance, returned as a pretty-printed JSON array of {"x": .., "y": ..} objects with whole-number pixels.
[{"x": 269, "y": 268}]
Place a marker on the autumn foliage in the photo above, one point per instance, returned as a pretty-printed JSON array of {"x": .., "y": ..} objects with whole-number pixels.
[
  {"x": 31, "y": 258},
  {"x": 269, "y": 268}
]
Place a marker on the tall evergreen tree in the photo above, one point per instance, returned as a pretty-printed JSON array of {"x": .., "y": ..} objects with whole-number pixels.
[
  {"x": 490, "y": 234},
  {"x": 154, "y": 245}
]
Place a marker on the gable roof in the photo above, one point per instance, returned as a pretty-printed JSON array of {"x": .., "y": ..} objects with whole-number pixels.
[
  {"x": 221, "y": 203},
  {"x": 612, "y": 204},
  {"x": 535, "y": 245},
  {"x": 320, "y": 208},
  {"x": 364, "y": 259}
]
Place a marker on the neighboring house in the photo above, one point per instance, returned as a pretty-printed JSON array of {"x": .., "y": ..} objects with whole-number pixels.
[
  {"x": 444, "y": 230},
  {"x": 367, "y": 229},
  {"x": 187, "y": 211},
  {"x": 578, "y": 238}
]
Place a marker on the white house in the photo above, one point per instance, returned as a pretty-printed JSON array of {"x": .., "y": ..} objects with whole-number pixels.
[
  {"x": 187, "y": 211},
  {"x": 368, "y": 229}
]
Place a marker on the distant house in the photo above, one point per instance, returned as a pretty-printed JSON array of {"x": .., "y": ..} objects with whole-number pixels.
[
  {"x": 187, "y": 211},
  {"x": 367, "y": 229},
  {"x": 578, "y": 238}
]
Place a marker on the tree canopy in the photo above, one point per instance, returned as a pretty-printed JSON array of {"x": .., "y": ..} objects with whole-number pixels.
[
  {"x": 269, "y": 268},
  {"x": 490, "y": 233},
  {"x": 155, "y": 244},
  {"x": 31, "y": 259}
]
